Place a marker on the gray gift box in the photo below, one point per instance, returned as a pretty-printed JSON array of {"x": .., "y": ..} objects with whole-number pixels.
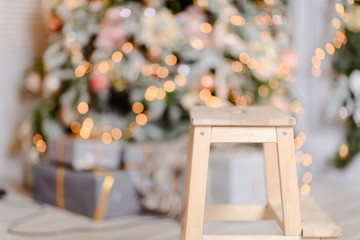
[
  {"x": 100, "y": 195},
  {"x": 85, "y": 154}
]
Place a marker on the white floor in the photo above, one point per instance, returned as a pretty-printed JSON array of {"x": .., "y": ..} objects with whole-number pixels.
[{"x": 337, "y": 192}]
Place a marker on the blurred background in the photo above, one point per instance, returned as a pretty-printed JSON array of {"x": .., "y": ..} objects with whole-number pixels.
[
  {"x": 78, "y": 76},
  {"x": 310, "y": 26}
]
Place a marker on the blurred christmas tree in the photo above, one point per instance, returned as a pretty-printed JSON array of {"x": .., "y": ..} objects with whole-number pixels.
[
  {"x": 131, "y": 69},
  {"x": 346, "y": 49}
]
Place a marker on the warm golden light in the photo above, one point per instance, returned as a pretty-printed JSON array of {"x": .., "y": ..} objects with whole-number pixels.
[
  {"x": 343, "y": 151},
  {"x": 75, "y": 127},
  {"x": 117, "y": 56},
  {"x": 180, "y": 80},
  {"x": 213, "y": 102},
  {"x": 307, "y": 178},
  {"x": 169, "y": 86},
  {"x": 284, "y": 68},
  {"x": 306, "y": 159},
  {"x": 339, "y": 9},
  {"x": 85, "y": 132},
  {"x": 146, "y": 70},
  {"x": 296, "y": 106},
  {"x": 274, "y": 83},
  {"x": 150, "y": 93},
  {"x": 305, "y": 189},
  {"x": 320, "y": 53},
  {"x": 87, "y": 65},
  {"x": 137, "y": 107},
  {"x": 154, "y": 68},
  {"x": 171, "y": 60},
  {"x": 162, "y": 72},
  {"x": 302, "y": 135},
  {"x": 37, "y": 137},
  {"x": 316, "y": 71},
  {"x": 205, "y": 94},
  {"x": 197, "y": 44},
  {"x": 80, "y": 71},
  {"x": 103, "y": 67},
  {"x": 116, "y": 133},
  {"x": 237, "y": 20},
  {"x": 270, "y": 2},
  {"x": 207, "y": 81},
  {"x": 337, "y": 42},
  {"x": 237, "y": 66},
  {"x": 263, "y": 91},
  {"x": 336, "y": 23},
  {"x": 141, "y": 119},
  {"x": 41, "y": 146},
  {"x": 234, "y": 95},
  {"x": 298, "y": 142},
  {"x": 161, "y": 94},
  {"x": 316, "y": 61},
  {"x": 88, "y": 123},
  {"x": 127, "y": 47},
  {"x": 206, "y": 27},
  {"x": 75, "y": 48},
  {"x": 77, "y": 57},
  {"x": 341, "y": 36},
  {"x": 106, "y": 138},
  {"x": 252, "y": 64},
  {"x": 83, "y": 108},
  {"x": 244, "y": 58}
]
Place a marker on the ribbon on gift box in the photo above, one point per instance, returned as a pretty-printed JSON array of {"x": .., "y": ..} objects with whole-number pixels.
[
  {"x": 103, "y": 200},
  {"x": 99, "y": 147}
]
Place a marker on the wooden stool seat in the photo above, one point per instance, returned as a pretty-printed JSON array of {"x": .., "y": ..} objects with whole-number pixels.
[
  {"x": 240, "y": 116},
  {"x": 274, "y": 129}
]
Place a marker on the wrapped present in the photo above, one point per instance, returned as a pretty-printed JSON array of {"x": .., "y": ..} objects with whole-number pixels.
[
  {"x": 98, "y": 194},
  {"x": 236, "y": 175},
  {"x": 83, "y": 154},
  {"x": 136, "y": 155}
]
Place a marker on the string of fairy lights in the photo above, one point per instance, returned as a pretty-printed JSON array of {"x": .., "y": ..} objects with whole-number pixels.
[
  {"x": 85, "y": 129},
  {"x": 337, "y": 41}
]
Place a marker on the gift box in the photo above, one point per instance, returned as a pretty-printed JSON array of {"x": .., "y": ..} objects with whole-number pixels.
[
  {"x": 99, "y": 194},
  {"x": 136, "y": 155},
  {"x": 84, "y": 154},
  {"x": 236, "y": 175}
]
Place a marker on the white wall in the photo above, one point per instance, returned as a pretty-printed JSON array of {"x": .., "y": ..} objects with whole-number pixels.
[
  {"x": 312, "y": 29},
  {"x": 22, "y": 36}
]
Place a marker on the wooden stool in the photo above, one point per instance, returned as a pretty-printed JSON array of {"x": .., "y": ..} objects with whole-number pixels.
[{"x": 274, "y": 129}]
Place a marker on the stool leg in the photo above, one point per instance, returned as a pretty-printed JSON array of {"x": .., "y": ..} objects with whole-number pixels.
[
  {"x": 187, "y": 182},
  {"x": 195, "y": 184},
  {"x": 272, "y": 172},
  {"x": 288, "y": 181}
]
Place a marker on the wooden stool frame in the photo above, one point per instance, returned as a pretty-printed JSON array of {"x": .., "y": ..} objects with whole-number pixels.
[{"x": 281, "y": 184}]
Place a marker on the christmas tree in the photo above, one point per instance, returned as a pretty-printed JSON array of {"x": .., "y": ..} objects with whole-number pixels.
[
  {"x": 346, "y": 49},
  {"x": 131, "y": 69}
]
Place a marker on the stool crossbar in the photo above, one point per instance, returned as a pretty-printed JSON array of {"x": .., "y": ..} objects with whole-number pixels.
[{"x": 298, "y": 218}]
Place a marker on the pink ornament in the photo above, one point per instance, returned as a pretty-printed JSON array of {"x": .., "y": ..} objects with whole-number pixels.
[
  {"x": 290, "y": 57},
  {"x": 99, "y": 83}
]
